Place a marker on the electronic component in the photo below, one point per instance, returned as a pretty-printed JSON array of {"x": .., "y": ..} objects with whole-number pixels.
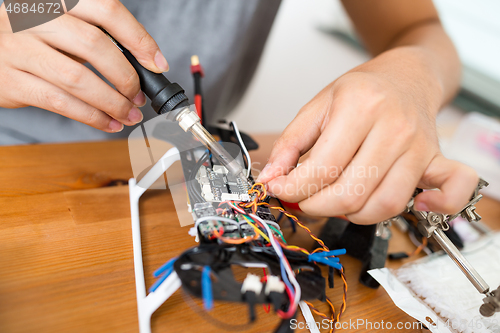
[
  {"x": 203, "y": 209},
  {"x": 218, "y": 185}
]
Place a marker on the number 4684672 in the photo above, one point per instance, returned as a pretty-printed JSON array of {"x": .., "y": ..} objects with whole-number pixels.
[{"x": 36, "y": 8}]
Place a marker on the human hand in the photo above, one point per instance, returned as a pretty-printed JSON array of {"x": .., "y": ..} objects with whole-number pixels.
[
  {"x": 42, "y": 66},
  {"x": 372, "y": 140}
]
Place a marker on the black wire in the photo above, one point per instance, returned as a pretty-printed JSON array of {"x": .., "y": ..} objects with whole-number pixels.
[
  {"x": 192, "y": 176},
  {"x": 198, "y": 91}
]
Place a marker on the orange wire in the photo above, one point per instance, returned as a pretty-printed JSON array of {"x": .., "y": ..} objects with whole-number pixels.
[
  {"x": 235, "y": 241},
  {"x": 419, "y": 248},
  {"x": 254, "y": 203}
]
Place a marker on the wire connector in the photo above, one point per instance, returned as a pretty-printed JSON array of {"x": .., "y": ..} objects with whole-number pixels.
[
  {"x": 250, "y": 289},
  {"x": 328, "y": 258},
  {"x": 251, "y": 283},
  {"x": 274, "y": 290},
  {"x": 196, "y": 67},
  {"x": 274, "y": 284}
]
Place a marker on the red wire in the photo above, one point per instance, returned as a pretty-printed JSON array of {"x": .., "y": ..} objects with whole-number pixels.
[
  {"x": 198, "y": 104},
  {"x": 264, "y": 279},
  {"x": 290, "y": 312}
]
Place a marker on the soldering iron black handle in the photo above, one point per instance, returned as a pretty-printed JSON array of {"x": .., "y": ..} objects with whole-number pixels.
[{"x": 165, "y": 96}]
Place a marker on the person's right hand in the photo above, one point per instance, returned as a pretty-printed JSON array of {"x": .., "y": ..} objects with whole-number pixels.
[{"x": 42, "y": 66}]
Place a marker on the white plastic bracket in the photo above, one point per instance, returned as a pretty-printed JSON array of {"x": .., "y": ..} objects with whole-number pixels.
[{"x": 147, "y": 304}]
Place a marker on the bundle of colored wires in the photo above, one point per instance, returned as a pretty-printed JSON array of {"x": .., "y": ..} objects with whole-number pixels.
[
  {"x": 259, "y": 192},
  {"x": 263, "y": 228},
  {"x": 292, "y": 287}
]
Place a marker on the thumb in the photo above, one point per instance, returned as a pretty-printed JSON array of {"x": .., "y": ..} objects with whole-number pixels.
[{"x": 456, "y": 183}]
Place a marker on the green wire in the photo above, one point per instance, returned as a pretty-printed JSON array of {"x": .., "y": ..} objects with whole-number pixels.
[
  {"x": 279, "y": 232},
  {"x": 270, "y": 226},
  {"x": 249, "y": 219}
]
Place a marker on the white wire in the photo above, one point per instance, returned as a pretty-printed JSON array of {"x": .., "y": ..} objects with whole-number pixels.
[
  {"x": 279, "y": 252},
  {"x": 217, "y": 218},
  {"x": 276, "y": 225},
  {"x": 273, "y": 223},
  {"x": 243, "y": 147}
]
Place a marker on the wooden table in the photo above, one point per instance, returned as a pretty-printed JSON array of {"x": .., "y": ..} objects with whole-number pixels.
[{"x": 66, "y": 247}]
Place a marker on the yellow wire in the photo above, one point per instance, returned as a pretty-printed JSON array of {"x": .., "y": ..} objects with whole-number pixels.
[
  {"x": 250, "y": 222},
  {"x": 296, "y": 248},
  {"x": 320, "y": 242}
]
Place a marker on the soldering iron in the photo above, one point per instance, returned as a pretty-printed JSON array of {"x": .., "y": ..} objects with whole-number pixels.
[{"x": 166, "y": 97}]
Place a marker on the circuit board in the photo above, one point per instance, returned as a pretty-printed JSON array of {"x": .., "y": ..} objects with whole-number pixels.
[{"x": 218, "y": 185}]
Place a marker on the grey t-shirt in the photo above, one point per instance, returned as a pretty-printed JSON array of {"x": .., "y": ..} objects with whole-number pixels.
[{"x": 227, "y": 35}]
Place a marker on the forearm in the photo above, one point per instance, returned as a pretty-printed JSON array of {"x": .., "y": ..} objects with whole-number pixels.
[
  {"x": 437, "y": 54},
  {"x": 408, "y": 42}
]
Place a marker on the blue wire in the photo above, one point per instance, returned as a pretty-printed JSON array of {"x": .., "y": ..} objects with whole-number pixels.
[
  {"x": 285, "y": 279},
  {"x": 164, "y": 267},
  {"x": 206, "y": 289},
  {"x": 328, "y": 258},
  {"x": 284, "y": 276},
  {"x": 161, "y": 279},
  {"x": 328, "y": 262},
  {"x": 332, "y": 253},
  {"x": 292, "y": 222},
  {"x": 280, "y": 216},
  {"x": 165, "y": 270}
]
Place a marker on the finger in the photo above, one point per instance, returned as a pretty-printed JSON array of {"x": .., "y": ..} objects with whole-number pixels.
[
  {"x": 298, "y": 137},
  {"x": 113, "y": 16},
  {"x": 456, "y": 183},
  {"x": 394, "y": 192},
  {"x": 76, "y": 79},
  {"x": 351, "y": 190},
  {"x": 333, "y": 150},
  {"x": 40, "y": 93},
  {"x": 86, "y": 41}
]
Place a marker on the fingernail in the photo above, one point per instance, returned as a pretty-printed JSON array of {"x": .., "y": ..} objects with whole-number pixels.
[
  {"x": 115, "y": 126},
  {"x": 264, "y": 173},
  {"x": 422, "y": 206},
  {"x": 161, "y": 62},
  {"x": 135, "y": 116},
  {"x": 139, "y": 99}
]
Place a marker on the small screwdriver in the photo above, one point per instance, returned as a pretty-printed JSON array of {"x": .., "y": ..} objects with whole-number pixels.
[{"x": 166, "y": 96}]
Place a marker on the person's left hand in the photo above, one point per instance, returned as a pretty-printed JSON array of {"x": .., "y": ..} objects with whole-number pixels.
[{"x": 372, "y": 140}]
